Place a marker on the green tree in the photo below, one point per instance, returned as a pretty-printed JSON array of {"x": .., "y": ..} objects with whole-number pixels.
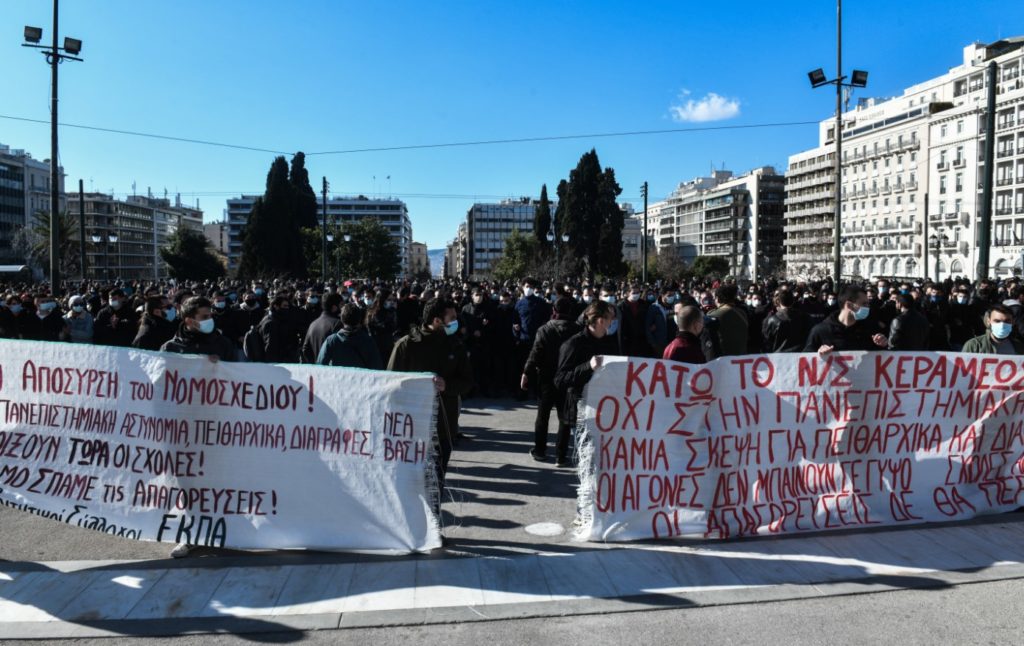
[
  {"x": 710, "y": 267},
  {"x": 588, "y": 213},
  {"x": 542, "y": 218},
  {"x": 272, "y": 241},
  {"x": 517, "y": 258},
  {"x": 189, "y": 256},
  {"x": 370, "y": 252},
  {"x": 305, "y": 197},
  {"x": 33, "y": 243}
]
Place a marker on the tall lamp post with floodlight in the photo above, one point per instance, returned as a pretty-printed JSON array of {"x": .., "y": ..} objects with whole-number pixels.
[
  {"x": 859, "y": 78},
  {"x": 55, "y": 55}
]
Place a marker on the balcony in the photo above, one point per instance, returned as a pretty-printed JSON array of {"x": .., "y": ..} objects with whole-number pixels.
[
  {"x": 1004, "y": 181},
  {"x": 1004, "y": 211},
  {"x": 1007, "y": 123},
  {"x": 942, "y": 166},
  {"x": 952, "y": 215},
  {"x": 886, "y": 190},
  {"x": 1020, "y": 209},
  {"x": 1005, "y": 152},
  {"x": 898, "y": 188},
  {"x": 959, "y": 162}
]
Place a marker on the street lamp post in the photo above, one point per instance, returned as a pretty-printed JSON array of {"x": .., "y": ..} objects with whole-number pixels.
[
  {"x": 96, "y": 240},
  {"x": 937, "y": 241},
  {"x": 112, "y": 239},
  {"x": 347, "y": 238},
  {"x": 71, "y": 48},
  {"x": 858, "y": 79}
]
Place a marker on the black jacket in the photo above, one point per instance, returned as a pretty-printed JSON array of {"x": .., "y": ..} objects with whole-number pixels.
[
  {"x": 840, "y": 337},
  {"x": 786, "y": 331},
  {"x": 153, "y": 333},
  {"x": 543, "y": 360},
  {"x": 909, "y": 331},
  {"x": 319, "y": 330},
  {"x": 188, "y": 342},
  {"x": 351, "y": 347},
  {"x": 115, "y": 327},
  {"x": 573, "y": 371},
  {"x": 280, "y": 345}
]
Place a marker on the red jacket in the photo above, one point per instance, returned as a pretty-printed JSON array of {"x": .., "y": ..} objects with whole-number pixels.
[{"x": 685, "y": 348}]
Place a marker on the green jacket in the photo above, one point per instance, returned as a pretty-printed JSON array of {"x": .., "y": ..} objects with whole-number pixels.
[
  {"x": 985, "y": 345},
  {"x": 443, "y": 355},
  {"x": 732, "y": 329}
]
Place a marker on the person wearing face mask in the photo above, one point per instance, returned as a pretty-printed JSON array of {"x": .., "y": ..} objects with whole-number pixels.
[
  {"x": 757, "y": 312},
  {"x": 197, "y": 333},
  {"x": 502, "y": 342},
  {"x": 531, "y": 312},
  {"x": 732, "y": 322},
  {"x": 230, "y": 321},
  {"x": 786, "y": 329},
  {"x": 277, "y": 332},
  {"x": 48, "y": 322},
  {"x": 312, "y": 309},
  {"x": 632, "y": 323},
  {"x": 157, "y": 326},
  {"x": 116, "y": 324},
  {"x": 474, "y": 325},
  {"x": 79, "y": 321},
  {"x": 1015, "y": 302},
  {"x": 350, "y": 344},
  {"x": 935, "y": 308},
  {"x": 541, "y": 366},
  {"x": 847, "y": 329},
  {"x": 435, "y": 347},
  {"x": 656, "y": 324},
  {"x": 998, "y": 337},
  {"x": 909, "y": 330},
  {"x": 382, "y": 321},
  {"x": 578, "y": 358},
  {"x": 321, "y": 329}
]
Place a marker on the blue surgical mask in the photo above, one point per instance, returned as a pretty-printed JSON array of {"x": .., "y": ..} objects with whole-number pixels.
[
  {"x": 206, "y": 327},
  {"x": 862, "y": 313},
  {"x": 170, "y": 313},
  {"x": 452, "y": 327},
  {"x": 78, "y": 309},
  {"x": 1001, "y": 330},
  {"x": 314, "y": 300},
  {"x": 528, "y": 291},
  {"x": 47, "y": 306},
  {"x": 614, "y": 327},
  {"x": 15, "y": 309},
  {"x": 610, "y": 299},
  {"x": 220, "y": 304},
  {"x": 258, "y": 291},
  {"x": 368, "y": 302},
  {"x": 115, "y": 304},
  {"x": 651, "y": 298}
]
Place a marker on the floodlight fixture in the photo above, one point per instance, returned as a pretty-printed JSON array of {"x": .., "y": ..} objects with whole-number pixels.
[
  {"x": 72, "y": 46},
  {"x": 859, "y": 78},
  {"x": 817, "y": 77},
  {"x": 33, "y": 34}
]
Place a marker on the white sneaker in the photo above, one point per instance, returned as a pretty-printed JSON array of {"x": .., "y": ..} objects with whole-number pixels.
[{"x": 181, "y": 550}]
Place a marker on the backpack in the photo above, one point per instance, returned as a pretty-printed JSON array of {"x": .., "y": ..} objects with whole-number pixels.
[{"x": 252, "y": 345}]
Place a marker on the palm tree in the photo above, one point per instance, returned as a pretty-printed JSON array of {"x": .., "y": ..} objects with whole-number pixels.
[{"x": 68, "y": 242}]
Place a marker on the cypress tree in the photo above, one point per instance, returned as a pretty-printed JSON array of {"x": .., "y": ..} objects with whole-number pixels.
[
  {"x": 305, "y": 207},
  {"x": 542, "y": 218}
]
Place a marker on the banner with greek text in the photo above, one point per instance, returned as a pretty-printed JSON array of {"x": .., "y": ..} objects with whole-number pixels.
[
  {"x": 781, "y": 443},
  {"x": 182, "y": 449}
]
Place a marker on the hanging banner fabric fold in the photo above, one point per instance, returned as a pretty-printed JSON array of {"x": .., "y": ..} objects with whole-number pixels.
[
  {"x": 782, "y": 443},
  {"x": 182, "y": 449}
]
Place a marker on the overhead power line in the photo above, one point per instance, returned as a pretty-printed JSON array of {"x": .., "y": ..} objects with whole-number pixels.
[{"x": 457, "y": 144}]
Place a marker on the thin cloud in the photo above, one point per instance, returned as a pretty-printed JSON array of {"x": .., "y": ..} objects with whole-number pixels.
[{"x": 712, "y": 107}]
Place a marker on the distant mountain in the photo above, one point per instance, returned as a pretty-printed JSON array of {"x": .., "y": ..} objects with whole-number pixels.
[{"x": 436, "y": 257}]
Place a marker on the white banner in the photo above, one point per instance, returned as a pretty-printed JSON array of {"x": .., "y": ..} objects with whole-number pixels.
[
  {"x": 178, "y": 448},
  {"x": 781, "y": 443}
]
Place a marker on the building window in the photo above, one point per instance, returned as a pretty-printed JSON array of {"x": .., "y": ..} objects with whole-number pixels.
[
  {"x": 959, "y": 126},
  {"x": 942, "y": 131}
]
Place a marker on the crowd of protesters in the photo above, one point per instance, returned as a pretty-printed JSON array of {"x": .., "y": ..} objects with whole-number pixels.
[{"x": 521, "y": 339}]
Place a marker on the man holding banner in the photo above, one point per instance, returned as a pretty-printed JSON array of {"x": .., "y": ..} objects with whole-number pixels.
[{"x": 435, "y": 348}]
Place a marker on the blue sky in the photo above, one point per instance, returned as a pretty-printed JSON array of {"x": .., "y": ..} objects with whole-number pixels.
[{"x": 319, "y": 75}]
